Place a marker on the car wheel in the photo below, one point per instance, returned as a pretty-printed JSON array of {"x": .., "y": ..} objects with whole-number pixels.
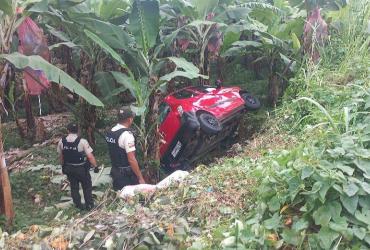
[
  {"x": 251, "y": 102},
  {"x": 209, "y": 123}
]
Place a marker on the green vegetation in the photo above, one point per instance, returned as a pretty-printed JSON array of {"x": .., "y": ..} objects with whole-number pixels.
[{"x": 298, "y": 177}]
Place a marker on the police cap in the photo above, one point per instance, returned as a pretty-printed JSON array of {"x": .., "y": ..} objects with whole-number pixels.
[
  {"x": 72, "y": 127},
  {"x": 124, "y": 113}
]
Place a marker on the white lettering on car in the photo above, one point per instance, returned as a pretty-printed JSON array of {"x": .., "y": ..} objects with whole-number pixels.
[{"x": 176, "y": 149}]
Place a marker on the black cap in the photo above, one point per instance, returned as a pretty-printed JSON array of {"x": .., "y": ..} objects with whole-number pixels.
[
  {"x": 124, "y": 113},
  {"x": 72, "y": 127}
]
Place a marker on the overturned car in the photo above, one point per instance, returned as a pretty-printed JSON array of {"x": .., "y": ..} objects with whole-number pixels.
[{"x": 194, "y": 120}]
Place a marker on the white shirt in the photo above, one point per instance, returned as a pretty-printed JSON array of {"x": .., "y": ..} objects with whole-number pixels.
[
  {"x": 83, "y": 146},
  {"x": 126, "y": 139}
]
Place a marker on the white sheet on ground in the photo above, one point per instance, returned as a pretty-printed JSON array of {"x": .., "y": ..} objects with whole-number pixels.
[{"x": 130, "y": 191}]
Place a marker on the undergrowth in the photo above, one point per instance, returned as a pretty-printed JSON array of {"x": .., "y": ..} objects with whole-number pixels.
[
  {"x": 316, "y": 194},
  {"x": 313, "y": 193}
]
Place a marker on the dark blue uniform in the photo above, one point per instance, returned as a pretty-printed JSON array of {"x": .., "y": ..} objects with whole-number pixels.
[
  {"x": 76, "y": 167},
  {"x": 121, "y": 171}
]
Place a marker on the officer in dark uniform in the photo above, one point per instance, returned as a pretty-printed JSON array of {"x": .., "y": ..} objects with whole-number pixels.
[
  {"x": 121, "y": 144},
  {"x": 76, "y": 156}
]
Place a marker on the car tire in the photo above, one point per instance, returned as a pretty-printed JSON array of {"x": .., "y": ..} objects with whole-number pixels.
[
  {"x": 209, "y": 123},
  {"x": 251, "y": 102}
]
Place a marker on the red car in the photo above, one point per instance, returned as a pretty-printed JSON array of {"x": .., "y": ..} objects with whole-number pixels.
[{"x": 194, "y": 120}]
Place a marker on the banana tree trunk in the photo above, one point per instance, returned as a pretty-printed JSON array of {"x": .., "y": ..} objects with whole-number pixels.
[
  {"x": 88, "y": 112},
  {"x": 152, "y": 127},
  {"x": 274, "y": 84},
  {"x": 6, "y": 202},
  {"x": 30, "y": 119}
]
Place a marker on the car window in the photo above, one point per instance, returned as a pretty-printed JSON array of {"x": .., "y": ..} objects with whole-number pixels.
[
  {"x": 183, "y": 94},
  {"x": 164, "y": 110},
  {"x": 204, "y": 89}
]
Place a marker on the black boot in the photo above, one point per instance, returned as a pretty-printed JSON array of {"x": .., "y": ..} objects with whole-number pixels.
[{"x": 89, "y": 206}]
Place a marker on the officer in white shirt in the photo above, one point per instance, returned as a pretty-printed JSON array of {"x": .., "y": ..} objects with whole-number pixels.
[
  {"x": 76, "y": 156},
  {"x": 121, "y": 144}
]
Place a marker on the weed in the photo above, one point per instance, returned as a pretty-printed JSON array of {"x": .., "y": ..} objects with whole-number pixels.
[{"x": 32, "y": 193}]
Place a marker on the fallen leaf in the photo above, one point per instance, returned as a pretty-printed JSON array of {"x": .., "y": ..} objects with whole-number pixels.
[
  {"x": 34, "y": 229},
  {"x": 88, "y": 236},
  {"x": 284, "y": 208},
  {"x": 37, "y": 199},
  {"x": 288, "y": 221},
  {"x": 272, "y": 237},
  {"x": 170, "y": 230},
  {"x": 21, "y": 237},
  {"x": 59, "y": 243}
]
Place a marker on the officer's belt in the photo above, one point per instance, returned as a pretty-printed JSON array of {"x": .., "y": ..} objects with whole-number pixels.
[
  {"x": 123, "y": 168},
  {"x": 75, "y": 164}
]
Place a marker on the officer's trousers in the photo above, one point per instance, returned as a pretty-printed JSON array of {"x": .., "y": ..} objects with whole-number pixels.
[
  {"x": 77, "y": 175},
  {"x": 123, "y": 177}
]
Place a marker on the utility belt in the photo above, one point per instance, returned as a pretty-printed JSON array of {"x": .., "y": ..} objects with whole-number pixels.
[
  {"x": 121, "y": 170},
  {"x": 69, "y": 167}
]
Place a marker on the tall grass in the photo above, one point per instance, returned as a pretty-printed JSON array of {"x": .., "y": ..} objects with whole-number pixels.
[
  {"x": 344, "y": 64},
  {"x": 350, "y": 35}
]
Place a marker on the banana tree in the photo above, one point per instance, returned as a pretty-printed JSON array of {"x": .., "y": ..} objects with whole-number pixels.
[
  {"x": 15, "y": 61},
  {"x": 269, "y": 33},
  {"x": 197, "y": 34},
  {"x": 144, "y": 73},
  {"x": 68, "y": 24}
]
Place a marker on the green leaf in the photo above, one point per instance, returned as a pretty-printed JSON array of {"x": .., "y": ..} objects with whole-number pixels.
[
  {"x": 327, "y": 237},
  {"x": 204, "y": 7},
  {"x": 247, "y": 44},
  {"x": 178, "y": 73},
  {"x": 349, "y": 203},
  {"x": 68, "y": 44},
  {"x": 294, "y": 187},
  {"x": 144, "y": 23},
  {"x": 7, "y": 7},
  {"x": 306, "y": 172},
  {"x": 300, "y": 225},
  {"x": 346, "y": 169},
  {"x": 366, "y": 187},
  {"x": 295, "y": 40},
  {"x": 274, "y": 204},
  {"x": 324, "y": 189},
  {"x": 336, "y": 152},
  {"x": 52, "y": 73},
  {"x": 229, "y": 39},
  {"x": 291, "y": 237},
  {"x": 105, "y": 47},
  {"x": 113, "y": 35},
  {"x": 108, "y": 9},
  {"x": 364, "y": 202},
  {"x": 59, "y": 34},
  {"x": 190, "y": 71},
  {"x": 107, "y": 85},
  {"x": 363, "y": 217},
  {"x": 359, "y": 232},
  {"x": 128, "y": 82},
  {"x": 322, "y": 216},
  {"x": 322, "y": 109},
  {"x": 273, "y": 222},
  {"x": 350, "y": 189},
  {"x": 364, "y": 165},
  {"x": 339, "y": 225}
]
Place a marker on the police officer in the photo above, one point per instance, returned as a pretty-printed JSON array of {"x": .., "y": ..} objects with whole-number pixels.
[
  {"x": 76, "y": 156},
  {"x": 121, "y": 144}
]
